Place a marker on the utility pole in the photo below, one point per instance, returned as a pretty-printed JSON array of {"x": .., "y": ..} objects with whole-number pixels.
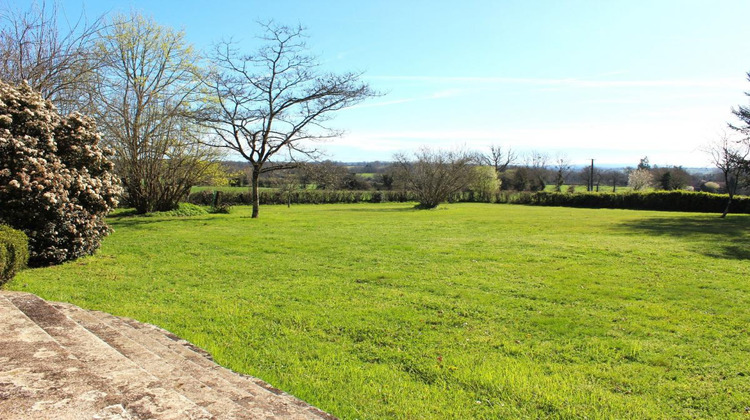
[{"x": 591, "y": 177}]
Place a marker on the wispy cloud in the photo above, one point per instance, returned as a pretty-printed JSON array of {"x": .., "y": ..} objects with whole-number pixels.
[
  {"x": 441, "y": 94},
  {"x": 732, "y": 83}
]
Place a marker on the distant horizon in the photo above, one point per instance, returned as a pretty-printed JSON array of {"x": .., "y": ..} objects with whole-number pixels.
[{"x": 517, "y": 164}]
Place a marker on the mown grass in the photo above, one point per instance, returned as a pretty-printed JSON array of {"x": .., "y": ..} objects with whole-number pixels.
[{"x": 467, "y": 311}]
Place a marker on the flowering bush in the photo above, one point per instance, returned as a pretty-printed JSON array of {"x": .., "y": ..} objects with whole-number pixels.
[
  {"x": 640, "y": 179},
  {"x": 56, "y": 183}
]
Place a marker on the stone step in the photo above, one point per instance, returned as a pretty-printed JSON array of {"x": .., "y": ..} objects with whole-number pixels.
[
  {"x": 140, "y": 394},
  {"x": 29, "y": 389},
  {"x": 168, "y": 369},
  {"x": 258, "y": 397}
]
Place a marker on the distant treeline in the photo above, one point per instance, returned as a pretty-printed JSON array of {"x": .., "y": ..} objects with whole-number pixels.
[{"x": 378, "y": 175}]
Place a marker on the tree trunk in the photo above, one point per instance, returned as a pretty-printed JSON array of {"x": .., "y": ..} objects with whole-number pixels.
[
  {"x": 254, "y": 191},
  {"x": 726, "y": 209}
]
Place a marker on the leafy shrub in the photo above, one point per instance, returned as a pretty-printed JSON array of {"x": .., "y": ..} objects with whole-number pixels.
[
  {"x": 485, "y": 183},
  {"x": 221, "y": 208},
  {"x": 183, "y": 210},
  {"x": 711, "y": 187},
  {"x": 14, "y": 252},
  {"x": 56, "y": 183}
]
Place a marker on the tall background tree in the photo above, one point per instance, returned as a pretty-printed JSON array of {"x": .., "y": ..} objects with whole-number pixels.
[
  {"x": 742, "y": 112},
  {"x": 614, "y": 177},
  {"x": 644, "y": 163},
  {"x": 271, "y": 104},
  {"x": 562, "y": 169},
  {"x": 56, "y": 59},
  {"x": 146, "y": 99}
]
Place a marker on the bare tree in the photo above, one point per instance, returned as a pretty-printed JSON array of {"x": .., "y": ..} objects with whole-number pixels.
[
  {"x": 434, "y": 175},
  {"x": 615, "y": 176},
  {"x": 537, "y": 163},
  {"x": 562, "y": 169},
  {"x": 730, "y": 157},
  {"x": 499, "y": 158},
  {"x": 275, "y": 101},
  {"x": 326, "y": 175},
  {"x": 536, "y": 160},
  {"x": 56, "y": 60},
  {"x": 146, "y": 94},
  {"x": 287, "y": 183}
]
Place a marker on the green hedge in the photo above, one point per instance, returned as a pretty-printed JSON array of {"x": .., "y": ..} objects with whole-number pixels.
[
  {"x": 206, "y": 198},
  {"x": 687, "y": 201},
  {"x": 14, "y": 252}
]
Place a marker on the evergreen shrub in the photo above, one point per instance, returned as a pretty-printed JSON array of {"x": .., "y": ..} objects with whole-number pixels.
[{"x": 14, "y": 252}]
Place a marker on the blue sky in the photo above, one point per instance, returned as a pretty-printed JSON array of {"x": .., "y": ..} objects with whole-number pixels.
[{"x": 609, "y": 80}]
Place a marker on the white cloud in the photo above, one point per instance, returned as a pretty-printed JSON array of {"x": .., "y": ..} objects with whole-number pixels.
[
  {"x": 729, "y": 83},
  {"x": 676, "y": 141},
  {"x": 441, "y": 94}
]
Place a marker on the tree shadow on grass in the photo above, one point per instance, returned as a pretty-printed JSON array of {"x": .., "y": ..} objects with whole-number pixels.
[
  {"x": 722, "y": 238},
  {"x": 135, "y": 221}
]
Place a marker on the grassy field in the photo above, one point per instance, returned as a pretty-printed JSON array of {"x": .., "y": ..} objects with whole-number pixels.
[{"x": 467, "y": 311}]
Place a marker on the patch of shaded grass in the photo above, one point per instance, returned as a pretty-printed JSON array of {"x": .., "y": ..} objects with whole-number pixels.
[{"x": 467, "y": 311}]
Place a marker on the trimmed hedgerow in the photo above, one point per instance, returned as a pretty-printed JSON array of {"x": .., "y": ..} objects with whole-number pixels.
[
  {"x": 686, "y": 201},
  {"x": 14, "y": 252},
  {"x": 206, "y": 198}
]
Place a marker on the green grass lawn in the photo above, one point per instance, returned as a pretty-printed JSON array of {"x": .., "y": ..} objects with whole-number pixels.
[{"x": 468, "y": 311}]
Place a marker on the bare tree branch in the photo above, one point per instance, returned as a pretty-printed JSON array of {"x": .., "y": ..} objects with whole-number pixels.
[
  {"x": 731, "y": 158},
  {"x": 58, "y": 61},
  {"x": 275, "y": 101},
  {"x": 499, "y": 158},
  {"x": 435, "y": 175}
]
